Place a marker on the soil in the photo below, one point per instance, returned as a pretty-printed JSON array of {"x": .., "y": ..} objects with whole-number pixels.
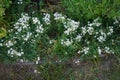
[{"x": 101, "y": 69}]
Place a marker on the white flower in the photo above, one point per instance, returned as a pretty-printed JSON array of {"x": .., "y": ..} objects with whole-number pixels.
[
  {"x": 77, "y": 62},
  {"x": 36, "y": 62},
  {"x": 38, "y": 58},
  {"x": 59, "y": 16},
  {"x": 99, "y": 51},
  {"x": 19, "y": 29},
  {"x": 79, "y": 52},
  {"x": 1, "y": 44},
  {"x": 97, "y": 24},
  {"x": 24, "y": 18},
  {"x": 79, "y": 37},
  {"x": 90, "y": 24},
  {"x": 102, "y": 37},
  {"x": 94, "y": 23},
  {"x": 90, "y": 30},
  {"x": 9, "y": 43},
  {"x": 107, "y": 50},
  {"x": 27, "y": 36},
  {"x": 46, "y": 18},
  {"x": 67, "y": 42},
  {"x": 13, "y": 52},
  {"x": 39, "y": 29},
  {"x": 51, "y": 41},
  {"x": 21, "y": 60},
  {"x": 22, "y": 23},
  {"x": 84, "y": 30},
  {"x": 68, "y": 31},
  {"x": 96, "y": 20},
  {"x": 19, "y": 2},
  {"x": 85, "y": 50},
  {"x": 35, "y": 20},
  {"x": 36, "y": 71},
  {"x": 110, "y": 30},
  {"x": 70, "y": 26},
  {"x": 116, "y": 21}
]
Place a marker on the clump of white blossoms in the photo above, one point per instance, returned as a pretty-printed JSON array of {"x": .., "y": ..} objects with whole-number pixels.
[
  {"x": 23, "y": 27},
  {"x": 59, "y": 16},
  {"x": 10, "y": 43},
  {"x": 78, "y": 38},
  {"x": 110, "y": 28},
  {"x": 102, "y": 37},
  {"x": 90, "y": 30},
  {"x": 12, "y": 52},
  {"x": 37, "y": 60},
  {"x": 67, "y": 42},
  {"x": 19, "y": 2},
  {"x": 39, "y": 26},
  {"x": 84, "y": 50},
  {"x": 87, "y": 29},
  {"x": 117, "y": 21},
  {"x": 105, "y": 50},
  {"x": 70, "y": 26},
  {"x": 95, "y": 23},
  {"x": 108, "y": 50},
  {"x": 84, "y": 30},
  {"x": 46, "y": 18},
  {"x": 23, "y": 34}
]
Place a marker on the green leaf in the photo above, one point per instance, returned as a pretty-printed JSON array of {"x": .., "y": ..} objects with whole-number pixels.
[{"x": 2, "y": 32}]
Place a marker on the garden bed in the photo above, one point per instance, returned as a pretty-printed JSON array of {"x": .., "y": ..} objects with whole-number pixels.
[{"x": 66, "y": 40}]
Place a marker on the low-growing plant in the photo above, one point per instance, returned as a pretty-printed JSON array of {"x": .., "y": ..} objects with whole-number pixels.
[{"x": 58, "y": 36}]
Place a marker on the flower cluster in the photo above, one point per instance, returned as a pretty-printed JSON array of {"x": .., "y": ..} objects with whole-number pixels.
[
  {"x": 59, "y": 16},
  {"x": 27, "y": 30},
  {"x": 37, "y": 60},
  {"x": 19, "y": 2},
  {"x": 108, "y": 50},
  {"x": 95, "y": 23},
  {"x": 46, "y": 18},
  {"x": 12, "y": 52},
  {"x": 70, "y": 26},
  {"x": 66, "y": 42},
  {"x": 24, "y": 34},
  {"x": 93, "y": 29},
  {"x": 85, "y": 50},
  {"x": 102, "y": 37},
  {"x": 117, "y": 21}
]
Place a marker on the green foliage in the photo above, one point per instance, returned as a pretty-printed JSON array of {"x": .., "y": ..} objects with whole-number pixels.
[
  {"x": 4, "y": 4},
  {"x": 85, "y": 10},
  {"x": 87, "y": 30},
  {"x": 2, "y": 32}
]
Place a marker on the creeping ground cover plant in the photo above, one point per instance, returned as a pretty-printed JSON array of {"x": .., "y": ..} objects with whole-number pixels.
[
  {"x": 91, "y": 40},
  {"x": 59, "y": 36}
]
